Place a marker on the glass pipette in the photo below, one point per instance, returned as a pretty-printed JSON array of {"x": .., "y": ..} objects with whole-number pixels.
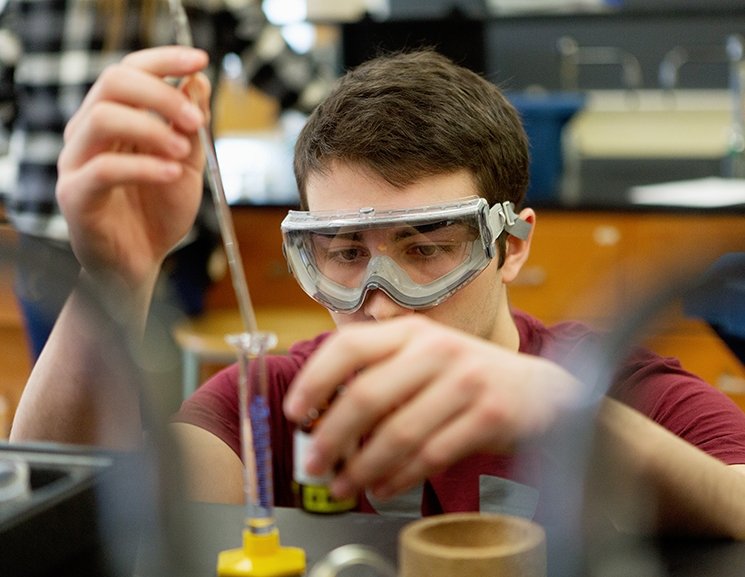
[
  {"x": 224, "y": 218},
  {"x": 261, "y": 553}
]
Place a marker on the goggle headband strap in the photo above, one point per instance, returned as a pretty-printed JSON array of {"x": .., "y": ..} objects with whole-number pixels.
[{"x": 502, "y": 217}]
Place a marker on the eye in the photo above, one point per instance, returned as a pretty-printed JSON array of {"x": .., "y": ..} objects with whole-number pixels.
[
  {"x": 427, "y": 250},
  {"x": 346, "y": 255}
]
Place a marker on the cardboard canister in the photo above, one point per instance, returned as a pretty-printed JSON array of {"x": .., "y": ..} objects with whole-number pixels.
[{"x": 472, "y": 545}]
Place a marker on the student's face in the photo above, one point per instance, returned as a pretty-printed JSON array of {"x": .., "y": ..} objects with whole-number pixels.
[{"x": 474, "y": 308}]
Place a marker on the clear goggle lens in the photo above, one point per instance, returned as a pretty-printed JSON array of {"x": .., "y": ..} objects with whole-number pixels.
[{"x": 418, "y": 256}]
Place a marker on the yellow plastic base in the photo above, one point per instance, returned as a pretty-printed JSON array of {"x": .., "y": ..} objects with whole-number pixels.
[{"x": 261, "y": 556}]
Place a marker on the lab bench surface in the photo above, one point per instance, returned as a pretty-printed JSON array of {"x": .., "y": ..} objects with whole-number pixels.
[
  {"x": 219, "y": 528},
  {"x": 92, "y": 513}
]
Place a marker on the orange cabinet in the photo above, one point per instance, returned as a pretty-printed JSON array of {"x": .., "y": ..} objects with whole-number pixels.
[
  {"x": 602, "y": 266},
  {"x": 269, "y": 280},
  {"x": 572, "y": 271},
  {"x": 15, "y": 361}
]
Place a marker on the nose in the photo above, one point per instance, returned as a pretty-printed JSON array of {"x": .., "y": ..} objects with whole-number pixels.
[{"x": 379, "y": 306}]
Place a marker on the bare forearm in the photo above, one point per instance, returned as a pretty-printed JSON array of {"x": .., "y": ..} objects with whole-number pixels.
[
  {"x": 682, "y": 489},
  {"x": 81, "y": 389},
  {"x": 202, "y": 454}
]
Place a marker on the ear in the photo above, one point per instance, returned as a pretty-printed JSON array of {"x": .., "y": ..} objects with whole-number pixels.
[{"x": 518, "y": 249}]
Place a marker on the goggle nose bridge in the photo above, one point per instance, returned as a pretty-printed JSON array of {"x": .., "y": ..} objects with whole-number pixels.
[{"x": 381, "y": 266}]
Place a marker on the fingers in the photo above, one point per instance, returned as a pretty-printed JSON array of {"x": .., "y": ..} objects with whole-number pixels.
[
  {"x": 130, "y": 173},
  {"x": 109, "y": 125},
  {"x": 477, "y": 417},
  {"x": 118, "y": 144},
  {"x": 396, "y": 456},
  {"x": 381, "y": 397},
  {"x": 443, "y": 448},
  {"x": 137, "y": 82},
  {"x": 168, "y": 60},
  {"x": 133, "y": 127},
  {"x": 401, "y": 395},
  {"x": 350, "y": 349},
  {"x": 450, "y": 416},
  {"x": 423, "y": 397}
]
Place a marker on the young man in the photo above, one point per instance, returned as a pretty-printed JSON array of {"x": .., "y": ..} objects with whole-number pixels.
[{"x": 447, "y": 381}]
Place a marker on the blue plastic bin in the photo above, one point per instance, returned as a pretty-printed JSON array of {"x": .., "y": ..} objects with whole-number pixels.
[
  {"x": 723, "y": 307},
  {"x": 544, "y": 116}
]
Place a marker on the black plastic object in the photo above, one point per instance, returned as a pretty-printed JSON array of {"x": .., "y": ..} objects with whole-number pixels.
[{"x": 59, "y": 528}]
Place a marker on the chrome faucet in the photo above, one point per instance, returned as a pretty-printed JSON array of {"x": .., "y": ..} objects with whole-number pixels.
[
  {"x": 679, "y": 56},
  {"x": 573, "y": 56},
  {"x": 732, "y": 54}
]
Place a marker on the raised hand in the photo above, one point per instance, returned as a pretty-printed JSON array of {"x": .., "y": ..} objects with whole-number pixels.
[
  {"x": 130, "y": 173},
  {"x": 423, "y": 396}
]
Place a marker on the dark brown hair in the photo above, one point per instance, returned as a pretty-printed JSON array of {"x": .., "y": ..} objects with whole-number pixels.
[{"x": 409, "y": 115}]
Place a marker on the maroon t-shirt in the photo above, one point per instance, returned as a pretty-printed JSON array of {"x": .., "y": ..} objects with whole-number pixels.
[{"x": 656, "y": 386}]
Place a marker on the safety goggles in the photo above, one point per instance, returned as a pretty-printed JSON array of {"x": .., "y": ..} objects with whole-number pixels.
[{"x": 417, "y": 256}]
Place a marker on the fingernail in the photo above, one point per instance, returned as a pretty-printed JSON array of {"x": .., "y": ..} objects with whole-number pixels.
[
  {"x": 171, "y": 169},
  {"x": 191, "y": 115},
  {"x": 292, "y": 407},
  {"x": 313, "y": 463}
]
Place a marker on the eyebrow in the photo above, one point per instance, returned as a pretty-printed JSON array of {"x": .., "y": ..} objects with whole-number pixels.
[{"x": 404, "y": 231}]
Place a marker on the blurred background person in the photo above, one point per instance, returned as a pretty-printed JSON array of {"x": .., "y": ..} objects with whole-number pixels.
[{"x": 51, "y": 51}]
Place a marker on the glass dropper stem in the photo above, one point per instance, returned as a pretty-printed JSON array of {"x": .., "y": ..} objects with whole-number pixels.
[
  {"x": 227, "y": 231},
  {"x": 214, "y": 179}
]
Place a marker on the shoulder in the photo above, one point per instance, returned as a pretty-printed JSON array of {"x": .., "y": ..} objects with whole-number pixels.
[
  {"x": 559, "y": 342},
  {"x": 656, "y": 384}
]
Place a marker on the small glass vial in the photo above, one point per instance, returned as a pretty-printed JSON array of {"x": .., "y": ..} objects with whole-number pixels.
[{"x": 313, "y": 493}]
